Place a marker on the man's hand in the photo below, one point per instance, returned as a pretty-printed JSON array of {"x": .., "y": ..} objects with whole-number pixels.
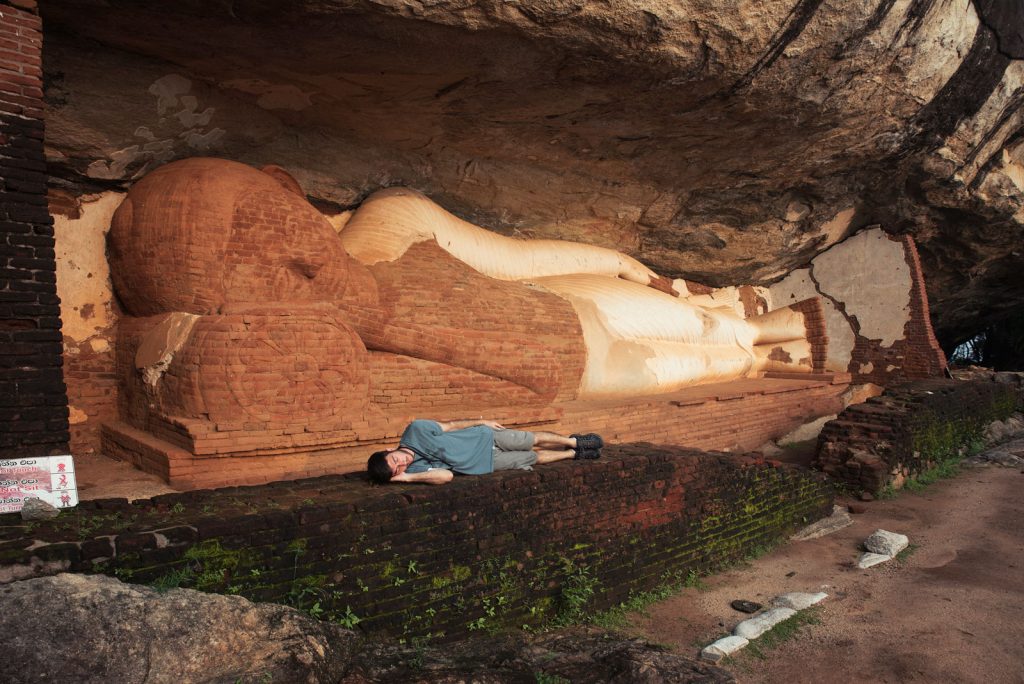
[{"x": 437, "y": 476}]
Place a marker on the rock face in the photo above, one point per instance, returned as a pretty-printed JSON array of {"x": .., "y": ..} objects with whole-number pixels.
[
  {"x": 97, "y": 629},
  {"x": 722, "y": 144}
]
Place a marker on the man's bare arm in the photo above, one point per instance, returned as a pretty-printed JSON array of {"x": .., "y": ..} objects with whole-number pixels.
[
  {"x": 437, "y": 476},
  {"x": 463, "y": 424}
]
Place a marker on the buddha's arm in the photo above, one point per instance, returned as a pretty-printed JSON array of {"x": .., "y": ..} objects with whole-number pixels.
[{"x": 392, "y": 220}]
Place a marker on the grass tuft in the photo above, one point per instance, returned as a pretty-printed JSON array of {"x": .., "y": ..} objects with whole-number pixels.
[{"x": 787, "y": 630}]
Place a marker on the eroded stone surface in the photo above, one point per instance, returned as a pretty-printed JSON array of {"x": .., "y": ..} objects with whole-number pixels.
[
  {"x": 725, "y": 646},
  {"x": 799, "y": 600}
]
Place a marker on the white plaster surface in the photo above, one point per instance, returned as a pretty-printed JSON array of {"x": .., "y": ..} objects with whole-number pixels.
[
  {"x": 83, "y": 277},
  {"x": 798, "y": 286},
  {"x": 869, "y": 274}
]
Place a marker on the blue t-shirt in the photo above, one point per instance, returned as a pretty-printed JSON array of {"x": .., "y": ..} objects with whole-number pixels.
[{"x": 469, "y": 451}]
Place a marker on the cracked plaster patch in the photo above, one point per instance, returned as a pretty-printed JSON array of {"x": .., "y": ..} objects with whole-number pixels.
[
  {"x": 869, "y": 274},
  {"x": 798, "y": 286},
  {"x": 83, "y": 277}
]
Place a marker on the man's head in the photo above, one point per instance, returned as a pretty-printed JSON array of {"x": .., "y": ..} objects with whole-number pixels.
[{"x": 384, "y": 465}]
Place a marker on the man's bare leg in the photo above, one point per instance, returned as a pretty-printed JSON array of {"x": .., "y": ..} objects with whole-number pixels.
[
  {"x": 547, "y": 440},
  {"x": 550, "y": 456}
]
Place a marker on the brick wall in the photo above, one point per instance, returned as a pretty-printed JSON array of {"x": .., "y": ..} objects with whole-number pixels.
[
  {"x": 908, "y": 429},
  {"x": 33, "y": 402},
  {"x": 479, "y": 553}
]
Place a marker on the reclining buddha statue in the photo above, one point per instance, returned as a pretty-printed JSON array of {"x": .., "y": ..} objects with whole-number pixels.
[{"x": 247, "y": 308}]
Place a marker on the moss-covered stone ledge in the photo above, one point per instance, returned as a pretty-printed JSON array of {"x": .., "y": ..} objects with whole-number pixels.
[
  {"x": 509, "y": 549},
  {"x": 911, "y": 429}
]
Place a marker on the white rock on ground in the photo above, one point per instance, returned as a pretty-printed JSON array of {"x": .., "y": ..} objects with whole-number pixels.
[
  {"x": 839, "y": 519},
  {"x": 725, "y": 646},
  {"x": 871, "y": 559},
  {"x": 798, "y": 600},
  {"x": 886, "y": 543},
  {"x": 759, "y": 624}
]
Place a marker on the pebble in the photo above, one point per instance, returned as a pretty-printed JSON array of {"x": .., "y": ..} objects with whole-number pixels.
[
  {"x": 723, "y": 647},
  {"x": 866, "y": 496},
  {"x": 758, "y": 625},
  {"x": 857, "y": 508}
]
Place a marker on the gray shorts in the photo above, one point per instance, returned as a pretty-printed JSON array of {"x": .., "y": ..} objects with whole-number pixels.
[{"x": 512, "y": 450}]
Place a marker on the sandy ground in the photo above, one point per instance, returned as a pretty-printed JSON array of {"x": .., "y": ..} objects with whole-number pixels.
[{"x": 951, "y": 611}]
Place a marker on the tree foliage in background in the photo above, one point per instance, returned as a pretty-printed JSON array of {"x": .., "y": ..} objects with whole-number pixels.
[{"x": 1000, "y": 346}]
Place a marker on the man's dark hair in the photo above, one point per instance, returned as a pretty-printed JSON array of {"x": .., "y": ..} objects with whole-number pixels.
[{"x": 378, "y": 466}]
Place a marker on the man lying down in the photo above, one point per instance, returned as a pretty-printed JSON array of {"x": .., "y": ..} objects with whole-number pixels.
[{"x": 431, "y": 451}]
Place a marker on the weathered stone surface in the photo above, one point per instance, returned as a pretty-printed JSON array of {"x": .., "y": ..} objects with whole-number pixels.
[
  {"x": 725, "y": 646},
  {"x": 97, "y": 629},
  {"x": 759, "y": 624},
  {"x": 886, "y": 543},
  {"x": 799, "y": 600},
  {"x": 869, "y": 560},
  {"x": 799, "y": 123},
  {"x": 37, "y": 509}
]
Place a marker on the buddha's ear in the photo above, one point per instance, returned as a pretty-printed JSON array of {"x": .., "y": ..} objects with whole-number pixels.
[{"x": 284, "y": 178}]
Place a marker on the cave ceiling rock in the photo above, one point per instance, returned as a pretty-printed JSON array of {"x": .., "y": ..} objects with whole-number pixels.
[{"x": 726, "y": 142}]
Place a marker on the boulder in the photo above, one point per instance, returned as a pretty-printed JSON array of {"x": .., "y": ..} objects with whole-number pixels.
[{"x": 78, "y": 628}]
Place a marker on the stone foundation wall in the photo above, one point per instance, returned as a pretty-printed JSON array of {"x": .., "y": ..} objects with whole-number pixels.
[
  {"x": 480, "y": 553},
  {"x": 33, "y": 403},
  {"x": 909, "y": 429}
]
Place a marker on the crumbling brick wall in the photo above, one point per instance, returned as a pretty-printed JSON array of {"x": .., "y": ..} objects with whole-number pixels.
[
  {"x": 33, "y": 401},
  {"x": 506, "y": 549},
  {"x": 909, "y": 429}
]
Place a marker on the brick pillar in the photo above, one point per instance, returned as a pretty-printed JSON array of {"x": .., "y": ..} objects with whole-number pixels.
[{"x": 33, "y": 398}]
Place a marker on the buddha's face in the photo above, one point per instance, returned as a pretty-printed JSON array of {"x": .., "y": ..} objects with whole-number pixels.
[{"x": 200, "y": 233}]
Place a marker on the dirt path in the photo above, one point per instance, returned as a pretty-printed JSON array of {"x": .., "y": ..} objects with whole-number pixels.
[{"x": 951, "y": 611}]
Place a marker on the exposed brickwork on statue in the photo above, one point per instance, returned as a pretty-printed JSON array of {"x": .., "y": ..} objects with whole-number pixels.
[
  {"x": 480, "y": 553},
  {"x": 918, "y": 354},
  {"x": 909, "y": 429},
  {"x": 33, "y": 403},
  {"x": 817, "y": 335}
]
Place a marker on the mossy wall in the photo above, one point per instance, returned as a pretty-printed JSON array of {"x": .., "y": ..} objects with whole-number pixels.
[
  {"x": 482, "y": 553},
  {"x": 911, "y": 429}
]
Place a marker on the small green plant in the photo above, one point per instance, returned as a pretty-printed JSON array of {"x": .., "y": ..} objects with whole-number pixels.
[
  {"x": 545, "y": 678},
  {"x": 694, "y": 580},
  {"x": 178, "y": 508},
  {"x": 906, "y": 553},
  {"x": 577, "y": 590},
  {"x": 348, "y": 619}
]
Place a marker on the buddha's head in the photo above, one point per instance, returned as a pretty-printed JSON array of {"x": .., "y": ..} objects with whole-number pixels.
[{"x": 199, "y": 233}]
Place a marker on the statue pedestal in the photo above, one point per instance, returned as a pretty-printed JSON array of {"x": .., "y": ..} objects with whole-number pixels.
[{"x": 737, "y": 416}]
